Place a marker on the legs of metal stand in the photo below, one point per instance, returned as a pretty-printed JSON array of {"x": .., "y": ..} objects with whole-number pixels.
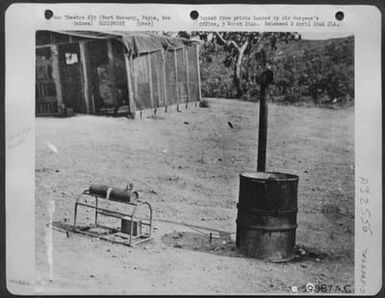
[
  {"x": 96, "y": 211},
  {"x": 122, "y": 215},
  {"x": 76, "y": 210}
]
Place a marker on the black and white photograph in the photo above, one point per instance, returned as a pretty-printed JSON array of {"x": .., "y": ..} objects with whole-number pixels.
[
  {"x": 163, "y": 149},
  {"x": 210, "y": 162}
]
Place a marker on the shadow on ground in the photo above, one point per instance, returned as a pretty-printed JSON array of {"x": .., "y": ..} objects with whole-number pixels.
[
  {"x": 214, "y": 243},
  {"x": 202, "y": 242},
  {"x": 224, "y": 246}
]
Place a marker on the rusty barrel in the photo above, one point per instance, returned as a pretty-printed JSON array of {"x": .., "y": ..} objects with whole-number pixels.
[{"x": 267, "y": 215}]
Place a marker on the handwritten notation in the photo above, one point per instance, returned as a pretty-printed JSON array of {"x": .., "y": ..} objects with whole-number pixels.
[
  {"x": 365, "y": 214},
  {"x": 16, "y": 139}
]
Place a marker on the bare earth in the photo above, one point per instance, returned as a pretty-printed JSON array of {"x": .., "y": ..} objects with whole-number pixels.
[{"x": 187, "y": 166}]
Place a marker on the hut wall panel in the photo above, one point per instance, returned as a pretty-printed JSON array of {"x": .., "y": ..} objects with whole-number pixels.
[
  {"x": 182, "y": 75},
  {"x": 97, "y": 59},
  {"x": 43, "y": 37},
  {"x": 72, "y": 81},
  {"x": 141, "y": 73},
  {"x": 193, "y": 72},
  {"x": 59, "y": 38},
  {"x": 157, "y": 78},
  {"x": 46, "y": 97},
  {"x": 170, "y": 78},
  {"x": 120, "y": 73}
]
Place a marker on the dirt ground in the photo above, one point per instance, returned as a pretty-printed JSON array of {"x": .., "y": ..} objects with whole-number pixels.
[{"x": 187, "y": 166}]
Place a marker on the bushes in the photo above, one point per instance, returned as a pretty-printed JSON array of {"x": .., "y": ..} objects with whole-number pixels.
[
  {"x": 318, "y": 72},
  {"x": 204, "y": 103},
  {"x": 322, "y": 70}
]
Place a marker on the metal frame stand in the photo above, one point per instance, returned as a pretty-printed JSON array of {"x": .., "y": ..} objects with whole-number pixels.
[{"x": 132, "y": 240}]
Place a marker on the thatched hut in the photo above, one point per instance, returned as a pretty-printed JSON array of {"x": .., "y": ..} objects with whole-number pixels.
[{"x": 104, "y": 72}]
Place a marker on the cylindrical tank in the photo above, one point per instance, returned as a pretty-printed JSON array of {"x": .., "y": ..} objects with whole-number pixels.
[
  {"x": 116, "y": 194},
  {"x": 267, "y": 215}
]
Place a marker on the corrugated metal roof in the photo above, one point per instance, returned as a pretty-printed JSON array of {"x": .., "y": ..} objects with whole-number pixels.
[{"x": 135, "y": 41}]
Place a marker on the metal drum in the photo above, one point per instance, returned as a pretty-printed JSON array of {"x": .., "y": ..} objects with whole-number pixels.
[{"x": 267, "y": 215}]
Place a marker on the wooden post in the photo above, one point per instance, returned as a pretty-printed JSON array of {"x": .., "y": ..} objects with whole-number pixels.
[
  {"x": 176, "y": 80},
  {"x": 83, "y": 57},
  {"x": 111, "y": 72},
  {"x": 187, "y": 76},
  {"x": 164, "y": 79},
  {"x": 262, "y": 136},
  {"x": 198, "y": 74},
  {"x": 150, "y": 80},
  {"x": 131, "y": 103},
  {"x": 56, "y": 74}
]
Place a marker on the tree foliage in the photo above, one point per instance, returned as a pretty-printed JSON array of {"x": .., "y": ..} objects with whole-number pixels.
[
  {"x": 246, "y": 54},
  {"x": 321, "y": 71}
]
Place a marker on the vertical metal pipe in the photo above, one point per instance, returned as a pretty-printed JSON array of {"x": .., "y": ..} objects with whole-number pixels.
[
  {"x": 262, "y": 134},
  {"x": 96, "y": 211}
]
